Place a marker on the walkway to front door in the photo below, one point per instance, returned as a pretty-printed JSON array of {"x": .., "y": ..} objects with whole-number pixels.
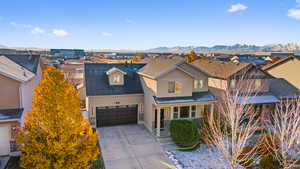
[{"x": 131, "y": 147}]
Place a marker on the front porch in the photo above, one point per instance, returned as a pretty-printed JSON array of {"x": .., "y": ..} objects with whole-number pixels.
[{"x": 163, "y": 114}]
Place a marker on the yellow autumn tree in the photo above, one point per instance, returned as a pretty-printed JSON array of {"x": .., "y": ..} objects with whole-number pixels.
[
  {"x": 138, "y": 57},
  {"x": 55, "y": 135},
  {"x": 192, "y": 56}
]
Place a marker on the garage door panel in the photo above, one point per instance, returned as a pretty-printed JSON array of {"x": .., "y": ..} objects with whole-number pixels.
[{"x": 116, "y": 115}]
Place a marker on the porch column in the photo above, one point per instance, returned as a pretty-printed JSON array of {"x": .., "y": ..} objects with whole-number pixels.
[
  {"x": 158, "y": 122},
  {"x": 171, "y": 111},
  {"x": 211, "y": 108}
]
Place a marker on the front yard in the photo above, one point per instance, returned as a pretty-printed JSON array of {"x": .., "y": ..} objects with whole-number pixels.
[{"x": 204, "y": 157}]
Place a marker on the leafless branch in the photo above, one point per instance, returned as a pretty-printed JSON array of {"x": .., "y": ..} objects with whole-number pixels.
[{"x": 284, "y": 133}]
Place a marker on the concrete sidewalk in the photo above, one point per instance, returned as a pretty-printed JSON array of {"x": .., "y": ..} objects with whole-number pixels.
[
  {"x": 3, "y": 161},
  {"x": 131, "y": 147}
]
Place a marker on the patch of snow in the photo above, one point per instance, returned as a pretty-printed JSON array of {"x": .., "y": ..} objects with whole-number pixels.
[{"x": 205, "y": 157}]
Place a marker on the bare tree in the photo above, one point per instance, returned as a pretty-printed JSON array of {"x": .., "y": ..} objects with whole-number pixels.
[
  {"x": 234, "y": 123},
  {"x": 284, "y": 133}
]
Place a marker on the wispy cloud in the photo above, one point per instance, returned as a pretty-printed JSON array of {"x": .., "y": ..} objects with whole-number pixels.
[
  {"x": 130, "y": 21},
  {"x": 13, "y": 23},
  {"x": 294, "y": 13},
  {"x": 37, "y": 30},
  {"x": 106, "y": 34},
  {"x": 60, "y": 32},
  {"x": 237, "y": 7}
]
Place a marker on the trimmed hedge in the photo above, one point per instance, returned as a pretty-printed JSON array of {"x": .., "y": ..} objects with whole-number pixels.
[{"x": 184, "y": 133}]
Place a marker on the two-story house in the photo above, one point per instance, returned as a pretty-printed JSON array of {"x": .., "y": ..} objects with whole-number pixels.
[
  {"x": 266, "y": 90},
  {"x": 19, "y": 74},
  {"x": 151, "y": 94},
  {"x": 286, "y": 68}
]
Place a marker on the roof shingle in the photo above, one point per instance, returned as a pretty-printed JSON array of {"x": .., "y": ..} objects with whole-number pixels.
[
  {"x": 220, "y": 69},
  {"x": 97, "y": 83}
]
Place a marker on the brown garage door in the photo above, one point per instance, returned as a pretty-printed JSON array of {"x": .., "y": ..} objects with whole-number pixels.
[{"x": 109, "y": 116}]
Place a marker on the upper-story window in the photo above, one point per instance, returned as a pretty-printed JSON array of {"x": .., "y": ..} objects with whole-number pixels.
[
  {"x": 116, "y": 76},
  {"x": 233, "y": 83},
  {"x": 116, "y": 79},
  {"x": 198, "y": 84},
  {"x": 174, "y": 87},
  {"x": 257, "y": 83}
]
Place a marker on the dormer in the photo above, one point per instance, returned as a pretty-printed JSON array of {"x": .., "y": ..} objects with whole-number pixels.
[{"x": 116, "y": 76}]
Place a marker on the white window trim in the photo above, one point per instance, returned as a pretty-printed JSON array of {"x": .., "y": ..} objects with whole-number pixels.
[
  {"x": 257, "y": 83},
  {"x": 178, "y": 113},
  {"x": 198, "y": 84},
  {"x": 175, "y": 84},
  {"x": 232, "y": 83}
]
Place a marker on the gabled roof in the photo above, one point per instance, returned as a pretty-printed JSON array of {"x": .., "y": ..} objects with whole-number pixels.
[
  {"x": 158, "y": 67},
  {"x": 220, "y": 69},
  {"x": 13, "y": 70},
  {"x": 97, "y": 82},
  {"x": 114, "y": 69},
  {"x": 29, "y": 62},
  {"x": 278, "y": 62},
  {"x": 282, "y": 89}
]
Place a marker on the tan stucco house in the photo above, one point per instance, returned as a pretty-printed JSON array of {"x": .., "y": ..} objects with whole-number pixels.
[
  {"x": 151, "y": 94},
  {"x": 287, "y": 68},
  {"x": 19, "y": 74}
]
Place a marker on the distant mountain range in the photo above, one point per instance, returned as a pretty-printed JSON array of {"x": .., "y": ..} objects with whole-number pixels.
[
  {"x": 230, "y": 49},
  {"x": 238, "y": 48}
]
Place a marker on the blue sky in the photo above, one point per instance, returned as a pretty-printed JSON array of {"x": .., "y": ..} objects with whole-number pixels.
[{"x": 142, "y": 24}]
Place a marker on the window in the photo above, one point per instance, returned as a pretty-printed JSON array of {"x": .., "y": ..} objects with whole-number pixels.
[
  {"x": 175, "y": 112},
  {"x": 171, "y": 87},
  {"x": 193, "y": 111},
  {"x": 257, "y": 83},
  {"x": 116, "y": 79},
  {"x": 198, "y": 84},
  {"x": 178, "y": 87},
  {"x": 174, "y": 87},
  {"x": 233, "y": 83},
  {"x": 185, "y": 112}
]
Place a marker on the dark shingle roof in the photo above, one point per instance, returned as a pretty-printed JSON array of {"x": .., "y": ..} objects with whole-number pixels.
[
  {"x": 282, "y": 89},
  {"x": 9, "y": 114},
  {"x": 97, "y": 83},
  {"x": 30, "y": 62}
]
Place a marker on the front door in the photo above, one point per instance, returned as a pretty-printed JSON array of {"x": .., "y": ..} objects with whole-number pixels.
[{"x": 162, "y": 118}]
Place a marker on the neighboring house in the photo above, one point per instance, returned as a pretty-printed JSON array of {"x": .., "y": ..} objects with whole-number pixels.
[
  {"x": 267, "y": 91},
  {"x": 151, "y": 94},
  {"x": 73, "y": 73},
  {"x": 19, "y": 74},
  {"x": 224, "y": 76},
  {"x": 287, "y": 68}
]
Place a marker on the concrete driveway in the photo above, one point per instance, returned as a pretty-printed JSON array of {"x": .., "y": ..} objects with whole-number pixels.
[{"x": 131, "y": 147}]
